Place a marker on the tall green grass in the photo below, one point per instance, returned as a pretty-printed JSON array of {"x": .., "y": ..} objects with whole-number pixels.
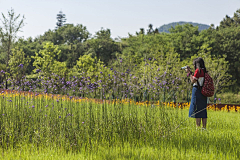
[
  {"x": 53, "y": 128},
  {"x": 228, "y": 98}
]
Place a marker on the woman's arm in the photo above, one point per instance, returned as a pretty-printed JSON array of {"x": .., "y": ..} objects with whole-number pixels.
[
  {"x": 190, "y": 75},
  {"x": 192, "y": 79}
]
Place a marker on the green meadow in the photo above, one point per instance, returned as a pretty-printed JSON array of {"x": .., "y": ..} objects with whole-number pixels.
[{"x": 38, "y": 127}]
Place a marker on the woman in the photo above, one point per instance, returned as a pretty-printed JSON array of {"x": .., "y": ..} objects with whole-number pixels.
[{"x": 198, "y": 102}]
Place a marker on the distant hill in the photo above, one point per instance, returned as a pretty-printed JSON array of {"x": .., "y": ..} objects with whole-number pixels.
[{"x": 166, "y": 27}]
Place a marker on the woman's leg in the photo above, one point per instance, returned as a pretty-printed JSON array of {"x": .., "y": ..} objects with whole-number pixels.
[
  {"x": 198, "y": 122},
  {"x": 204, "y": 122}
]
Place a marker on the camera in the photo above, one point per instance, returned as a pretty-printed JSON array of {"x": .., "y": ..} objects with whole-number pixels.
[{"x": 185, "y": 67}]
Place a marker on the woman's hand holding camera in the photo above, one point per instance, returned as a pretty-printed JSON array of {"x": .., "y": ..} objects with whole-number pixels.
[{"x": 188, "y": 70}]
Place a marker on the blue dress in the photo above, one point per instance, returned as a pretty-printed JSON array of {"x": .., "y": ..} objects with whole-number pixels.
[{"x": 198, "y": 103}]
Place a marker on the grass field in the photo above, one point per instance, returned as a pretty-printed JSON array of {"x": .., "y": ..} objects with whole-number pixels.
[{"x": 54, "y": 127}]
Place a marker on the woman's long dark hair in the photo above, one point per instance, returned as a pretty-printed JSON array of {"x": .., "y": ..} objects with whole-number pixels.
[{"x": 199, "y": 63}]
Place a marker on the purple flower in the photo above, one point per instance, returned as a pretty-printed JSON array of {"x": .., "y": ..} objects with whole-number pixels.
[
  {"x": 82, "y": 122},
  {"x": 20, "y": 65},
  {"x": 38, "y": 70},
  {"x": 59, "y": 116},
  {"x": 219, "y": 99},
  {"x": 33, "y": 106}
]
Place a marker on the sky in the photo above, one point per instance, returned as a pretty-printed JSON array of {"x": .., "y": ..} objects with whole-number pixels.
[{"x": 121, "y": 17}]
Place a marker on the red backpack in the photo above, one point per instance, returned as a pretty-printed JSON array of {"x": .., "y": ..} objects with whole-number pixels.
[{"x": 208, "y": 86}]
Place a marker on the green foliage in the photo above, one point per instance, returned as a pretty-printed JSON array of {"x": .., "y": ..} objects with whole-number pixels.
[
  {"x": 227, "y": 42},
  {"x": 67, "y": 34},
  {"x": 138, "y": 48},
  {"x": 11, "y": 25},
  {"x": 70, "y": 39},
  {"x": 61, "y": 19},
  {"x": 186, "y": 40},
  {"x": 102, "y": 46},
  {"x": 29, "y": 46},
  {"x": 89, "y": 67},
  {"x": 18, "y": 64},
  {"x": 167, "y": 51},
  {"x": 149, "y": 59},
  {"x": 60, "y": 68},
  {"x": 231, "y": 22},
  {"x": 2, "y": 74},
  {"x": 45, "y": 61},
  {"x": 229, "y": 98},
  {"x": 87, "y": 64}
]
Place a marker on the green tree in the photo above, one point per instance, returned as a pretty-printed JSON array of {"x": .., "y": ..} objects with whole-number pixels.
[
  {"x": 231, "y": 21},
  {"x": 150, "y": 29},
  {"x": 29, "y": 47},
  {"x": 11, "y": 25},
  {"x": 227, "y": 42},
  {"x": 142, "y": 31},
  {"x": 18, "y": 65},
  {"x": 70, "y": 39},
  {"x": 61, "y": 19},
  {"x": 45, "y": 61},
  {"x": 88, "y": 66},
  {"x": 67, "y": 34},
  {"x": 185, "y": 40},
  {"x": 226, "y": 22},
  {"x": 102, "y": 46}
]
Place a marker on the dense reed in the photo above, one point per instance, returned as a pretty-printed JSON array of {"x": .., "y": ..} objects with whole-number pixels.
[{"x": 75, "y": 127}]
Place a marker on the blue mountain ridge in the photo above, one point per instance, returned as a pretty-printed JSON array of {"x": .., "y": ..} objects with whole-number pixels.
[{"x": 166, "y": 27}]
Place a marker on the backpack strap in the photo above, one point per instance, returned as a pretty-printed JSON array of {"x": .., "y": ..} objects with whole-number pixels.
[{"x": 200, "y": 87}]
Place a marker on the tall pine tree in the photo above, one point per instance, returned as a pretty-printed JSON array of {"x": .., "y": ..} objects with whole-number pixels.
[{"x": 61, "y": 19}]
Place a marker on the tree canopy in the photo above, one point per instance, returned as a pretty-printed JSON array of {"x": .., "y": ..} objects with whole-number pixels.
[{"x": 71, "y": 49}]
